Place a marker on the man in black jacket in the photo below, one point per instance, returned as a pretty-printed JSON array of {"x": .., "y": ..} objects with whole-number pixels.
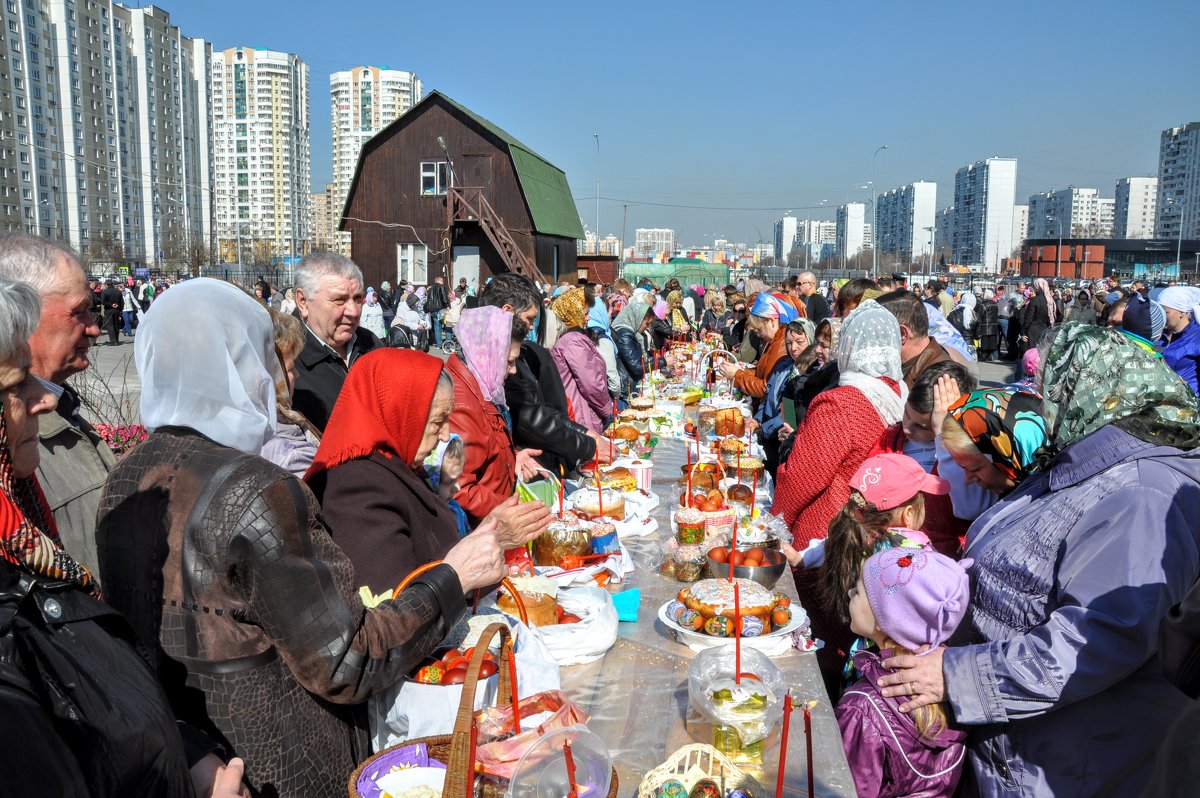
[
  {"x": 535, "y": 393},
  {"x": 436, "y": 302},
  {"x": 329, "y": 299},
  {"x": 112, "y": 301}
]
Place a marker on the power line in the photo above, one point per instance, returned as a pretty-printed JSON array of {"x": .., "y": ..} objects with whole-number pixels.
[{"x": 704, "y": 207}]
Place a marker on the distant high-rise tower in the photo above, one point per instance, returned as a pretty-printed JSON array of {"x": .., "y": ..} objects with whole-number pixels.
[
  {"x": 262, "y": 155},
  {"x": 1178, "y": 200},
  {"x": 363, "y": 101},
  {"x": 903, "y": 214},
  {"x": 984, "y": 194},
  {"x": 852, "y": 231},
  {"x": 1134, "y": 211},
  {"x": 786, "y": 231},
  {"x": 104, "y": 131}
]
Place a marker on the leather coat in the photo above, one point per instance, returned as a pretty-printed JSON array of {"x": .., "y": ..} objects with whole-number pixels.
[
  {"x": 538, "y": 405},
  {"x": 247, "y": 608}
]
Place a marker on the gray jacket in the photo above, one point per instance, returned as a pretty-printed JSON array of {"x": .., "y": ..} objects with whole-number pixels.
[
  {"x": 1073, "y": 574},
  {"x": 74, "y": 465}
]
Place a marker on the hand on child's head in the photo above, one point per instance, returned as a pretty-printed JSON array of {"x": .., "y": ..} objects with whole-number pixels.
[{"x": 945, "y": 393}]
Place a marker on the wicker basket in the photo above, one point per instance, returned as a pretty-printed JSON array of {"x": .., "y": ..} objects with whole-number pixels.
[
  {"x": 699, "y": 761},
  {"x": 455, "y": 749}
]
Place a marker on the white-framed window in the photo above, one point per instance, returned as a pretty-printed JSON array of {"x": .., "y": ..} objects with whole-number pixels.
[
  {"x": 435, "y": 178},
  {"x": 412, "y": 263}
]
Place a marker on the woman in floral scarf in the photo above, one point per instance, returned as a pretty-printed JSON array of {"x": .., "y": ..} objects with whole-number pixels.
[
  {"x": 681, "y": 323},
  {"x": 580, "y": 364}
]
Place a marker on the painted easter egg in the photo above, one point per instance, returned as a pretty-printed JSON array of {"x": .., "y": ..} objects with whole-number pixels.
[
  {"x": 719, "y": 626},
  {"x": 705, "y": 788},
  {"x": 751, "y": 626},
  {"x": 671, "y": 789}
]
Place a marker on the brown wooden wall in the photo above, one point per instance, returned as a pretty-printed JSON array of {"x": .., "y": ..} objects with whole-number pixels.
[{"x": 389, "y": 190}]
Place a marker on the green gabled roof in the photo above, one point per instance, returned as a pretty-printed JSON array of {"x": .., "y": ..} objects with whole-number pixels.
[{"x": 544, "y": 185}]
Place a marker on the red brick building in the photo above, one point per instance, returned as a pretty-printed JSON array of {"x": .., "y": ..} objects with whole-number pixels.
[{"x": 1080, "y": 259}]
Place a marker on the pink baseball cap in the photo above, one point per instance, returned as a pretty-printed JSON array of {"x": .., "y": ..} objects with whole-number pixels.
[{"x": 889, "y": 480}]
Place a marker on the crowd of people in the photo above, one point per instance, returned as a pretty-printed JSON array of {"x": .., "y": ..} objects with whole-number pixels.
[{"x": 1000, "y": 575}]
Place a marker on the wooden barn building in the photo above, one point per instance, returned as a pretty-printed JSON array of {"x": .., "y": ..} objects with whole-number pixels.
[{"x": 443, "y": 191}]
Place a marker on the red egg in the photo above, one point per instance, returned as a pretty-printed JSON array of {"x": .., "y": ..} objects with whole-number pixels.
[
  {"x": 487, "y": 669},
  {"x": 455, "y": 676},
  {"x": 718, "y": 554},
  {"x": 757, "y": 553},
  {"x": 735, "y": 558},
  {"x": 569, "y": 618}
]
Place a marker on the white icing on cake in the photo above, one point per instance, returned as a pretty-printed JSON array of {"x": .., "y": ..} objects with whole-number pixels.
[
  {"x": 718, "y": 594},
  {"x": 535, "y": 585}
]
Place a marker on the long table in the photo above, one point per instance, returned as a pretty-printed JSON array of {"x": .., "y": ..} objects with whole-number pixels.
[{"x": 637, "y": 693}]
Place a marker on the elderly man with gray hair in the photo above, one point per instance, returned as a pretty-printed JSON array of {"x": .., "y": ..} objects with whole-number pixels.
[
  {"x": 329, "y": 300},
  {"x": 75, "y": 461}
]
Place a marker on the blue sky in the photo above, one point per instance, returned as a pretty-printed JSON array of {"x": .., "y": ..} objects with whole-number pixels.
[{"x": 764, "y": 105}]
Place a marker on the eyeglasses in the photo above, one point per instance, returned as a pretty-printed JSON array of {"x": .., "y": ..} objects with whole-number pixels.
[{"x": 807, "y": 282}]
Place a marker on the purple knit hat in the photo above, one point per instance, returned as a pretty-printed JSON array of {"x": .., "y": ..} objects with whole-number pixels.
[{"x": 918, "y": 597}]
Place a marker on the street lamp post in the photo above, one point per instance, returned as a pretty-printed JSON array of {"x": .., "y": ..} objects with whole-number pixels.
[
  {"x": 875, "y": 217},
  {"x": 930, "y": 230},
  {"x": 596, "y": 136},
  {"x": 1058, "y": 249}
]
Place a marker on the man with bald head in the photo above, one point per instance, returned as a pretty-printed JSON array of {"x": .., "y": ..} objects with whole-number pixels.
[
  {"x": 75, "y": 461},
  {"x": 816, "y": 307}
]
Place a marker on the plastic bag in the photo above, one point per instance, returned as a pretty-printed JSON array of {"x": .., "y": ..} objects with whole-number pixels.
[
  {"x": 408, "y": 710},
  {"x": 752, "y": 707},
  {"x": 540, "y": 714},
  {"x": 588, "y": 640}
]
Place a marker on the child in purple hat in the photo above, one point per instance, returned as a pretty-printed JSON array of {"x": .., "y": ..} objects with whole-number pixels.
[{"x": 904, "y": 599}]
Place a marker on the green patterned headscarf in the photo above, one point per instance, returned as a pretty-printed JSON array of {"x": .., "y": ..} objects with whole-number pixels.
[{"x": 1093, "y": 376}]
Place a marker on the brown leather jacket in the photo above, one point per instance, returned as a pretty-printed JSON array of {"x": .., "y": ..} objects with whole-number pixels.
[
  {"x": 932, "y": 353},
  {"x": 222, "y": 564}
]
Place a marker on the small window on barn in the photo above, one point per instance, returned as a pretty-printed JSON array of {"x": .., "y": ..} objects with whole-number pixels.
[{"x": 434, "y": 178}]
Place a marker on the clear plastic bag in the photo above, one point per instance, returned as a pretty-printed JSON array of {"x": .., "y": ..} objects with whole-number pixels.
[{"x": 751, "y": 708}]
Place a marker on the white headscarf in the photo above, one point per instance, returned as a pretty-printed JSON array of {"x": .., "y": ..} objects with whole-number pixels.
[
  {"x": 206, "y": 355},
  {"x": 967, "y": 301},
  {"x": 869, "y": 348},
  {"x": 1182, "y": 298}
]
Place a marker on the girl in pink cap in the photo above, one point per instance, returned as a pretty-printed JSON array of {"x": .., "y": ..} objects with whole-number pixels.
[
  {"x": 886, "y": 510},
  {"x": 906, "y": 601}
]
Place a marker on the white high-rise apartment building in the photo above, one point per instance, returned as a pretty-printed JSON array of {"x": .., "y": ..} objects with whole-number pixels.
[
  {"x": 785, "y": 238},
  {"x": 812, "y": 231},
  {"x": 984, "y": 194},
  {"x": 852, "y": 233},
  {"x": 1020, "y": 224},
  {"x": 651, "y": 241},
  {"x": 363, "y": 101},
  {"x": 903, "y": 214},
  {"x": 609, "y": 245},
  {"x": 104, "y": 131},
  {"x": 1082, "y": 211},
  {"x": 261, "y": 141},
  {"x": 943, "y": 235},
  {"x": 1178, "y": 201},
  {"x": 1133, "y": 211}
]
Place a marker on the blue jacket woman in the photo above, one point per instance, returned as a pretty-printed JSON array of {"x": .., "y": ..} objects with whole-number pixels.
[
  {"x": 1181, "y": 346},
  {"x": 1056, "y": 669},
  {"x": 632, "y": 320}
]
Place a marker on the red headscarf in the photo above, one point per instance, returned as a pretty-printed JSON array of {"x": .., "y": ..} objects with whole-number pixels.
[{"x": 383, "y": 407}]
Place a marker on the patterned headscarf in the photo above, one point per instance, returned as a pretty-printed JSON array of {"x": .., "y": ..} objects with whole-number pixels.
[
  {"x": 631, "y": 317},
  {"x": 868, "y": 350},
  {"x": 572, "y": 309},
  {"x": 767, "y": 306},
  {"x": 28, "y": 535},
  {"x": 1006, "y": 425},
  {"x": 616, "y": 303},
  {"x": 1093, "y": 377},
  {"x": 485, "y": 334},
  {"x": 674, "y": 299}
]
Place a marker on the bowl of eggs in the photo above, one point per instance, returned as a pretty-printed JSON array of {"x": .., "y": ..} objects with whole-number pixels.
[{"x": 761, "y": 565}]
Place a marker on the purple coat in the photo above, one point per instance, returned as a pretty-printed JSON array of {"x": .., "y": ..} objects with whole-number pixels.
[
  {"x": 584, "y": 377},
  {"x": 886, "y": 754}
]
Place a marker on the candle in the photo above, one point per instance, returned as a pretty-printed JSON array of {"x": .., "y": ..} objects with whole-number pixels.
[
  {"x": 733, "y": 548},
  {"x": 753, "y": 493},
  {"x": 574, "y": 791},
  {"x": 783, "y": 744},
  {"x": 808, "y": 746},
  {"x": 562, "y": 478},
  {"x": 737, "y": 632},
  {"x": 516, "y": 704},
  {"x": 739, "y": 465},
  {"x": 600, "y": 499}
]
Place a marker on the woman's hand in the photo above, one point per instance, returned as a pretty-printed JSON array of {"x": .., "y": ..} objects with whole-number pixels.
[
  {"x": 478, "y": 559},
  {"x": 785, "y": 431},
  {"x": 794, "y": 558},
  {"x": 728, "y": 370},
  {"x": 602, "y": 447},
  {"x": 671, "y": 359},
  {"x": 919, "y": 679},
  {"x": 945, "y": 393},
  {"x": 527, "y": 466},
  {"x": 212, "y": 777},
  {"x": 518, "y": 522}
]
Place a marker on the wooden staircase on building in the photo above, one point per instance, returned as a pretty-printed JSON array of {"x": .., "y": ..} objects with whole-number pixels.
[{"x": 467, "y": 204}]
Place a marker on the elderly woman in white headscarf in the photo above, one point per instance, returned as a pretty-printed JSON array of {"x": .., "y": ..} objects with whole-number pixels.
[
  {"x": 1181, "y": 332},
  {"x": 224, "y": 568},
  {"x": 839, "y": 431}
]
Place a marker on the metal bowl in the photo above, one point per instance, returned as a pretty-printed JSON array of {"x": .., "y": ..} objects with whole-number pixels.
[{"x": 767, "y": 574}]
